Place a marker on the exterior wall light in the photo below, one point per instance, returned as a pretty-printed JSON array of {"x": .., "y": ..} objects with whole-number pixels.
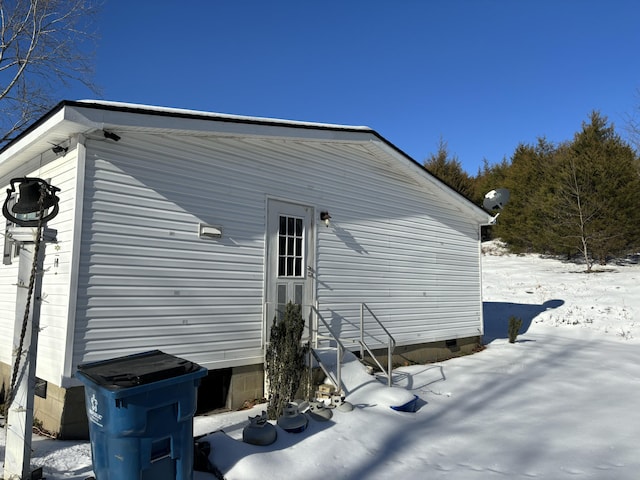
[
  {"x": 59, "y": 150},
  {"x": 209, "y": 231},
  {"x": 325, "y": 217}
]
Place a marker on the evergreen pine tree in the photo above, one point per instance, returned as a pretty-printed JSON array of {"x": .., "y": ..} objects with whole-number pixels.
[
  {"x": 598, "y": 192},
  {"x": 285, "y": 359},
  {"x": 578, "y": 197},
  {"x": 449, "y": 170}
]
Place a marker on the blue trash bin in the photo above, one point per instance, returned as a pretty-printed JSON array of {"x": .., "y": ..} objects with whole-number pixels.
[{"x": 140, "y": 409}]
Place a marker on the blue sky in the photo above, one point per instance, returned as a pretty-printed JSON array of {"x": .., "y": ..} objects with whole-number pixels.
[{"x": 485, "y": 75}]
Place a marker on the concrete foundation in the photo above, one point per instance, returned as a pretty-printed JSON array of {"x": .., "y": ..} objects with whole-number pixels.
[
  {"x": 432, "y": 352},
  {"x": 59, "y": 412},
  {"x": 62, "y": 412},
  {"x": 247, "y": 384}
]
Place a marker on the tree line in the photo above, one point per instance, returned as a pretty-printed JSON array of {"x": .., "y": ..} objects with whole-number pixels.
[{"x": 579, "y": 198}]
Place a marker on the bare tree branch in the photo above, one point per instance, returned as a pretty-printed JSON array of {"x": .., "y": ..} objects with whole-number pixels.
[{"x": 44, "y": 44}]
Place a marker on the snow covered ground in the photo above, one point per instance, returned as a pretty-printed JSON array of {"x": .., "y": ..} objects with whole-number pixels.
[{"x": 561, "y": 402}]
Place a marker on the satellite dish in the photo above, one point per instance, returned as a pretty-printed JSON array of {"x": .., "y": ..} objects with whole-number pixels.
[{"x": 496, "y": 199}]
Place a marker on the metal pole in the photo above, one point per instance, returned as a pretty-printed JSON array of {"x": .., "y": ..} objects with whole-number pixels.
[
  {"x": 361, "y": 331},
  {"x": 339, "y": 368},
  {"x": 389, "y": 365},
  {"x": 17, "y": 462},
  {"x": 315, "y": 325}
]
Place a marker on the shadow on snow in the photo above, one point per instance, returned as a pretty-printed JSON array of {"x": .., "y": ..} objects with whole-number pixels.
[{"x": 497, "y": 314}]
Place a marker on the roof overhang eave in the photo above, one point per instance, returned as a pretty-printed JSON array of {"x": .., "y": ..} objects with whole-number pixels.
[{"x": 53, "y": 129}]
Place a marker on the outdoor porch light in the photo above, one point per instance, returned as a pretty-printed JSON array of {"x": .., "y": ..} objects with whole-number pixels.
[
  {"x": 36, "y": 196},
  {"x": 111, "y": 136},
  {"x": 209, "y": 231},
  {"x": 59, "y": 150},
  {"x": 325, "y": 217}
]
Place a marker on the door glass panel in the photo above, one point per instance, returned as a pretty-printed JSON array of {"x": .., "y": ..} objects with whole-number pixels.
[
  {"x": 297, "y": 294},
  {"x": 290, "y": 247},
  {"x": 282, "y": 300},
  {"x": 298, "y": 267},
  {"x": 282, "y": 294}
]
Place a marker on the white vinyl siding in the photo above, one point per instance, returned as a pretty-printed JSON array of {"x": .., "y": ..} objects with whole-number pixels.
[
  {"x": 8, "y": 281},
  {"x": 55, "y": 279},
  {"x": 406, "y": 253},
  {"x": 147, "y": 280}
]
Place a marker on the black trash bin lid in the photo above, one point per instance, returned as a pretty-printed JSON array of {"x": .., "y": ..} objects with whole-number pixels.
[{"x": 137, "y": 369}]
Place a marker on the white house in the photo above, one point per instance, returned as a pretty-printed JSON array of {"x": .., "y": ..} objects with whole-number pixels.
[{"x": 182, "y": 230}]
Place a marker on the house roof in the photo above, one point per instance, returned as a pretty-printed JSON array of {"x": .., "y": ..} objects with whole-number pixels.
[
  {"x": 69, "y": 118},
  {"x": 187, "y": 113}
]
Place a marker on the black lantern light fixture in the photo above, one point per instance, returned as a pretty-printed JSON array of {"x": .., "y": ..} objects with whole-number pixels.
[
  {"x": 111, "y": 136},
  {"x": 36, "y": 196},
  {"x": 325, "y": 217},
  {"x": 59, "y": 150}
]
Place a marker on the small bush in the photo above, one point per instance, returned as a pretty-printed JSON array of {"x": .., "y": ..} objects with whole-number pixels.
[
  {"x": 515, "y": 323},
  {"x": 285, "y": 360}
]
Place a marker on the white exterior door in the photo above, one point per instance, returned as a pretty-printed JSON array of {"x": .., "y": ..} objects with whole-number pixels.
[{"x": 290, "y": 259}]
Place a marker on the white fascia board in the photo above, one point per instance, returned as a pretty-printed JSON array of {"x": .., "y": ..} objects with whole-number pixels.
[
  {"x": 14, "y": 153},
  {"x": 220, "y": 116},
  {"x": 55, "y": 130},
  {"x": 130, "y": 117},
  {"x": 32, "y": 137}
]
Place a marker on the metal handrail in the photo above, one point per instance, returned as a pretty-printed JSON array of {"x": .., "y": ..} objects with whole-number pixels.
[
  {"x": 364, "y": 305},
  {"x": 314, "y": 336},
  {"x": 339, "y": 349},
  {"x": 391, "y": 343},
  {"x": 336, "y": 381},
  {"x": 312, "y": 340}
]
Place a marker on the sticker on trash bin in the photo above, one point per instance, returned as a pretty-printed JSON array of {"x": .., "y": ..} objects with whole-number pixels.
[{"x": 94, "y": 416}]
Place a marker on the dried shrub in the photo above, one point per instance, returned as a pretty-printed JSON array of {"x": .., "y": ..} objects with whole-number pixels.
[
  {"x": 285, "y": 359},
  {"x": 515, "y": 323}
]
